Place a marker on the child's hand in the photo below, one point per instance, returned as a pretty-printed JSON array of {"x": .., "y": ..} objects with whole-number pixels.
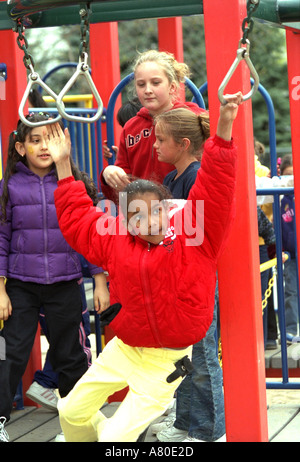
[
  {"x": 58, "y": 142},
  {"x": 59, "y": 147},
  {"x": 106, "y": 151},
  {"x": 228, "y": 113},
  {"x": 101, "y": 299},
  {"x": 101, "y": 293},
  {"x": 5, "y": 306},
  {"x": 115, "y": 177}
]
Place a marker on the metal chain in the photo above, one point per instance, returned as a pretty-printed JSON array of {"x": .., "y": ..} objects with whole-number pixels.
[
  {"x": 268, "y": 292},
  {"x": 220, "y": 359},
  {"x": 248, "y": 22},
  {"x": 23, "y": 45},
  {"x": 85, "y": 30}
]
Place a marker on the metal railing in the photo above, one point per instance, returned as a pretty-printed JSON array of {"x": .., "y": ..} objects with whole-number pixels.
[{"x": 87, "y": 153}]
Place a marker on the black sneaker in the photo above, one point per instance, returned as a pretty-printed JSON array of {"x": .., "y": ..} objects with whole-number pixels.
[{"x": 291, "y": 338}]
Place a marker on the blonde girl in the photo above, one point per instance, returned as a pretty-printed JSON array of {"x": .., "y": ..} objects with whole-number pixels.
[{"x": 157, "y": 77}]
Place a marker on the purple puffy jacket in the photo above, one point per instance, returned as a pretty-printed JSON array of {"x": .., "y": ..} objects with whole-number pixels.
[{"x": 32, "y": 247}]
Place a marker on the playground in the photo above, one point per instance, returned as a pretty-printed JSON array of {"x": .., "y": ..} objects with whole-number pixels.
[
  {"x": 41, "y": 425},
  {"x": 249, "y": 372}
]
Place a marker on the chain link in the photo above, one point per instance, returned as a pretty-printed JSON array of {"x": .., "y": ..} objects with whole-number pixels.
[
  {"x": 248, "y": 22},
  {"x": 85, "y": 30},
  {"x": 268, "y": 292},
  {"x": 23, "y": 45}
]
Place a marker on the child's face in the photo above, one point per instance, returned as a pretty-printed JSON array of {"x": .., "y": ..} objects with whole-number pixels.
[
  {"x": 147, "y": 217},
  {"x": 34, "y": 147},
  {"x": 154, "y": 90},
  {"x": 167, "y": 149}
]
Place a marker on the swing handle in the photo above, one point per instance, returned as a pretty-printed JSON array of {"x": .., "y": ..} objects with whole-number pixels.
[
  {"x": 34, "y": 79},
  {"x": 242, "y": 54},
  {"x": 82, "y": 69}
]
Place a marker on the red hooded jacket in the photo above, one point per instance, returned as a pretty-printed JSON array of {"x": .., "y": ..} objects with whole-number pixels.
[
  {"x": 166, "y": 290},
  {"x": 136, "y": 155}
]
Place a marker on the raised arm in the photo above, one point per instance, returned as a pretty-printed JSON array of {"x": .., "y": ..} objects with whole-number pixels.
[
  {"x": 85, "y": 227},
  {"x": 214, "y": 187}
]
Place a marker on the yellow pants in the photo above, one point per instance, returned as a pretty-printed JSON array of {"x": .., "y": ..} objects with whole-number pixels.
[{"x": 144, "y": 370}]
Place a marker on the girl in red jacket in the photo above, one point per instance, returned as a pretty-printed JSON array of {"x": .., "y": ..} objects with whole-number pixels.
[
  {"x": 162, "y": 276},
  {"x": 157, "y": 77}
]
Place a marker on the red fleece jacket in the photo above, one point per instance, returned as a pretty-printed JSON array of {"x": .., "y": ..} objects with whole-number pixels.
[{"x": 166, "y": 290}]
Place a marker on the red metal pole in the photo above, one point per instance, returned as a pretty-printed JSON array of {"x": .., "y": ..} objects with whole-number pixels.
[
  {"x": 293, "y": 62},
  {"x": 170, "y": 36},
  {"x": 170, "y": 39},
  {"x": 105, "y": 65},
  {"x": 238, "y": 270},
  {"x": 34, "y": 364},
  {"x": 15, "y": 85}
]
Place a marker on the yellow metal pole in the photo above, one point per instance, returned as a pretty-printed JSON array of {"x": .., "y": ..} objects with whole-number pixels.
[
  {"x": 271, "y": 263},
  {"x": 86, "y": 98}
]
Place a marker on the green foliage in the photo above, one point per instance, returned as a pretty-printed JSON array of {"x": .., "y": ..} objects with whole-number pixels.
[
  {"x": 268, "y": 54},
  {"x": 58, "y": 45}
]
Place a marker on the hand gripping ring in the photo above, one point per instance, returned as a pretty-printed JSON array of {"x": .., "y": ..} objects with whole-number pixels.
[{"x": 242, "y": 53}]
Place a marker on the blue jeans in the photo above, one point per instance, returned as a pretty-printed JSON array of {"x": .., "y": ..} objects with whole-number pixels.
[
  {"x": 199, "y": 398},
  {"x": 291, "y": 296}
]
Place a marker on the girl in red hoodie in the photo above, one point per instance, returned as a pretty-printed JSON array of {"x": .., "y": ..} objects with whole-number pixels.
[
  {"x": 157, "y": 77},
  {"x": 162, "y": 275}
]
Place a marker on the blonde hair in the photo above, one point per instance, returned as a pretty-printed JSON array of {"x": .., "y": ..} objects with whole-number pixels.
[
  {"x": 175, "y": 71},
  {"x": 183, "y": 123}
]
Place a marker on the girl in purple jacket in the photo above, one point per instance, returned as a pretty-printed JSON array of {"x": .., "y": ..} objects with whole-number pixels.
[{"x": 37, "y": 267}]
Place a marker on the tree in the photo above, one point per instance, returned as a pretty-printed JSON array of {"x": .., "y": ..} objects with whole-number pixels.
[
  {"x": 58, "y": 45},
  {"x": 267, "y": 52},
  {"x": 268, "y": 55}
]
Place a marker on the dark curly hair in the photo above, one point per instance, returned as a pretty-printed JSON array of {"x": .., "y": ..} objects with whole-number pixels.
[{"x": 139, "y": 187}]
